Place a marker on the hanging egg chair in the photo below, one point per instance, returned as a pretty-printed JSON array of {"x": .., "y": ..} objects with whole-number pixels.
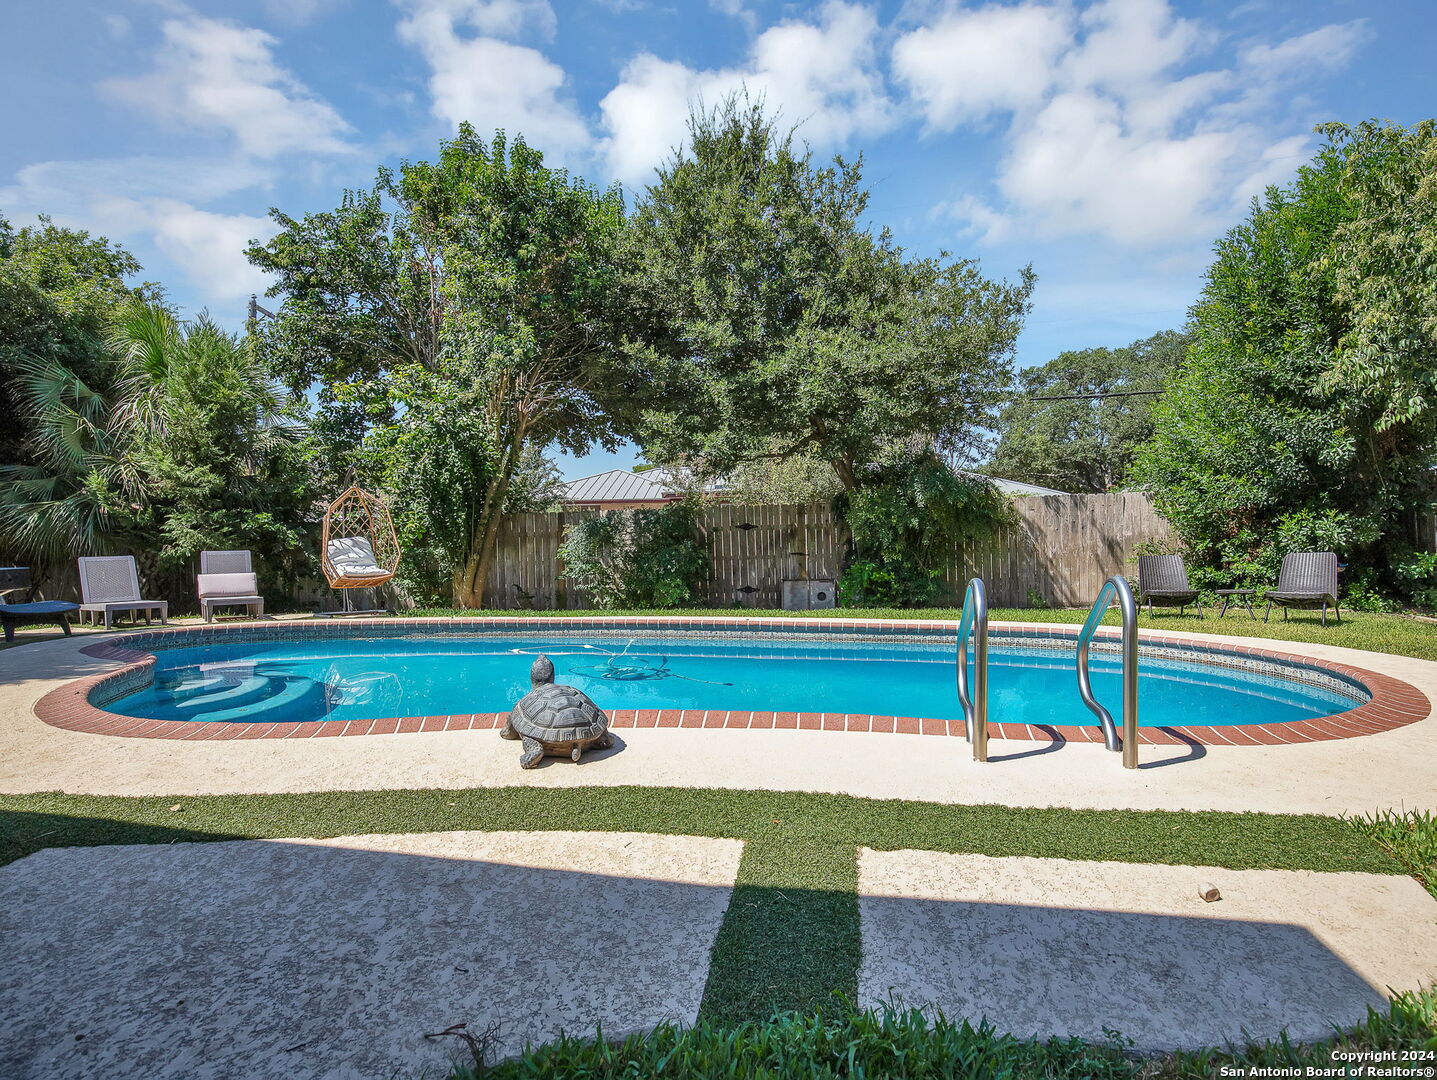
[{"x": 358, "y": 546}]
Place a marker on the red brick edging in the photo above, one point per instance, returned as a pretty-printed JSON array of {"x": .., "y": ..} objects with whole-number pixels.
[{"x": 1393, "y": 703}]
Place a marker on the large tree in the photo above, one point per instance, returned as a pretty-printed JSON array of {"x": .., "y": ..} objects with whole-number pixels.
[
  {"x": 173, "y": 442},
  {"x": 1304, "y": 417},
  {"x": 218, "y": 450},
  {"x": 485, "y": 278},
  {"x": 59, "y": 289},
  {"x": 1066, "y": 430},
  {"x": 769, "y": 320}
]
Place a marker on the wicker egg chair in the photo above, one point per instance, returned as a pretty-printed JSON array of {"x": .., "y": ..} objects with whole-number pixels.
[{"x": 358, "y": 546}]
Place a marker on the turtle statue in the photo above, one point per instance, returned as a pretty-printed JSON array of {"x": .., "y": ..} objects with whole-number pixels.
[{"x": 555, "y": 719}]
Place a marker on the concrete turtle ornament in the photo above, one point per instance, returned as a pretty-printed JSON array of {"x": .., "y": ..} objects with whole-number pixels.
[{"x": 555, "y": 719}]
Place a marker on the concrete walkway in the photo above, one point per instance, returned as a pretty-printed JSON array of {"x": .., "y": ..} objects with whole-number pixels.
[
  {"x": 333, "y": 959},
  {"x": 1357, "y": 775},
  {"x": 1052, "y": 947}
]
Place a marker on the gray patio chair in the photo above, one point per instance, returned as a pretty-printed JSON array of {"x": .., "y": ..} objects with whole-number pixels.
[
  {"x": 226, "y": 579},
  {"x": 1308, "y": 578},
  {"x": 110, "y": 585},
  {"x": 225, "y": 562},
  {"x": 1163, "y": 580}
]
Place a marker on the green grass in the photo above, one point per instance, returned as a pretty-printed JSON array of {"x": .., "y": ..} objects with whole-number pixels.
[
  {"x": 837, "y": 1040},
  {"x": 1410, "y": 836},
  {"x": 789, "y": 944}
]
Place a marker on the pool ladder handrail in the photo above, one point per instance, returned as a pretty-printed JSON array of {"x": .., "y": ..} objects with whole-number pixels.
[
  {"x": 1116, "y": 588},
  {"x": 973, "y": 625}
]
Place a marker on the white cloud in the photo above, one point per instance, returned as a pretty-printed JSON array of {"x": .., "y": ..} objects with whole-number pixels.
[
  {"x": 440, "y": 19},
  {"x": 1075, "y": 168},
  {"x": 736, "y": 9},
  {"x": 493, "y": 83},
  {"x": 212, "y": 74},
  {"x": 970, "y": 63},
  {"x": 299, "y": 12},
  {"x": 1128, "y": 44},
  {"x": 209, "y": 246},
  {"x": 151, "y": 201},
  {"x": 1110, "y": 130},
  {"x": 975, "y": 217},
  {"x": 823, "y": 76},
  {"x": 65, "y": 187},
  {"x": 1327, "y": 46},
  {"x": 646, "y": 115}
]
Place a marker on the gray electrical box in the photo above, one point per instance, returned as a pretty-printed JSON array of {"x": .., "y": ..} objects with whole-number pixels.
[{"x": 809, "y": 595}]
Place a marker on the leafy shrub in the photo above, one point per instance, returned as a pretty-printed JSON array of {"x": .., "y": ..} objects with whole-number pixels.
[
  {"x": 893, "y": 584},
  {"x": 908, "y": 520},
  {"x": 1416, "y": 573},
  {"x": 647, "y": 558},
  {"x": 1367, "y": 592}
]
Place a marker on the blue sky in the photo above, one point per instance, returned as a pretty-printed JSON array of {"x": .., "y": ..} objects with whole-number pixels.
[{"x": 1107, "y": 143}]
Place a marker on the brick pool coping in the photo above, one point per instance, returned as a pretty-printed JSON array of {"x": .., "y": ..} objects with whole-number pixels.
[{"x": 1393, "y": 703}]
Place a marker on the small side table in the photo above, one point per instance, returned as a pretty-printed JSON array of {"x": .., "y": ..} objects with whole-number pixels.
[{"x": 1237, "y": 596}]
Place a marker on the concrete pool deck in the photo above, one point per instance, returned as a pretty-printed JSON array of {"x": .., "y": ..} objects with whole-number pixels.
[
  {"x": 344, "y": 958},
  {"x": 1354, "y": 775},
  {"x": 334, "y": 959},
  {"x": 1054, "y": 947}
]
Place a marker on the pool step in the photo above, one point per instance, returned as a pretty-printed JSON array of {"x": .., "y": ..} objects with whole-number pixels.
[
  {"x": 188, "y": 688},
  {"x": 248, "y": 694},
  {"x": 295, "y": 699},
  {"x": 252, "y": 689}
]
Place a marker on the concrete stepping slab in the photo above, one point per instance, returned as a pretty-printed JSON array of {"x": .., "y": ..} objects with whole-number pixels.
[
  {"x": 333, "y": 958},
  {"x": 1043, "y": 947}
]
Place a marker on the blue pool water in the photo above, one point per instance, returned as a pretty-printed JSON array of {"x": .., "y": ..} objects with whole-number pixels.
[{"x": 354, "y": 679}]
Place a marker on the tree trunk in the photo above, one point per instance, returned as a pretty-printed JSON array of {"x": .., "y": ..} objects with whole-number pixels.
[
  {"x": 847, "y": 475},
  {"x": 469, "y": 582}
]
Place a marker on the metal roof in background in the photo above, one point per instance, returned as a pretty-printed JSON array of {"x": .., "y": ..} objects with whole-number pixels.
[
  {"x": 1017, "y": 487},
  {"x": 654, "y": 485},
  {"x": 616, "y": 485}
]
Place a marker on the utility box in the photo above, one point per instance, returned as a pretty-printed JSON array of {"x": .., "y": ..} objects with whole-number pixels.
[{"x": 809, "y": 595}]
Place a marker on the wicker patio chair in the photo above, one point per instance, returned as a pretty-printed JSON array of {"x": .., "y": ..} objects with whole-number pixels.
[
  {"x": 1308, "y": 578},
  {"x": 110, "y": 585},
  {"x": 226, "y": 579},
  {"x": 358, "y": 547},
  {"x": 1163, "y": 580}
]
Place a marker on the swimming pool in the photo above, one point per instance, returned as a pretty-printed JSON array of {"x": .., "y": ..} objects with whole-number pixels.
[{"x": 298, "y": 679}]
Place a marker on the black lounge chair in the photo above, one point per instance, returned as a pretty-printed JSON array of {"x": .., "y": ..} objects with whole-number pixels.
[
  {"x": 1163, "y": 580},
  {"x": 1308, "y": 578},
  {"x": 17, "y": 579}
]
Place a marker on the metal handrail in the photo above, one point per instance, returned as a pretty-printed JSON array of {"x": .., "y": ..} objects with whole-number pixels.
[
  {"x": 1116, "y": 587},
  {"x": 974, "y": 625}
]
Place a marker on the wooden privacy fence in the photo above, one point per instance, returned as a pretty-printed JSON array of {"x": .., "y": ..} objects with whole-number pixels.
[{"x": 1063, "y": 550}]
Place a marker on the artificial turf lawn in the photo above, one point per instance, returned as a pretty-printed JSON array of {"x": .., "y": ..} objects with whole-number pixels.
[{"x": 790, "y": 939}]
